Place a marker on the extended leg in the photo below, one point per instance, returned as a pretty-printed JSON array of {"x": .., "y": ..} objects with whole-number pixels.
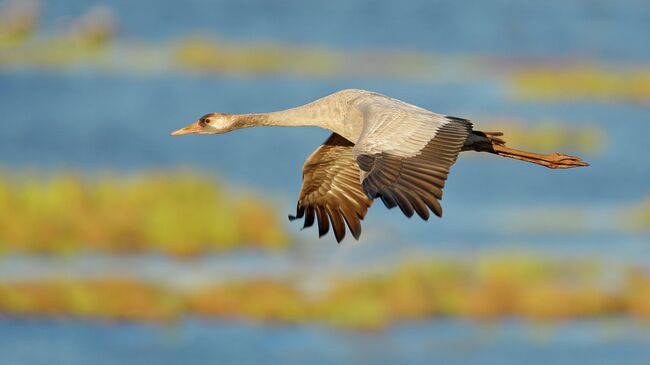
[{"x": 490, "y": 142}]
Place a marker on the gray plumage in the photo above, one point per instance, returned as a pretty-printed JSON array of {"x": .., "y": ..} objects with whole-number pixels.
[{"x": 380, "y": 147}]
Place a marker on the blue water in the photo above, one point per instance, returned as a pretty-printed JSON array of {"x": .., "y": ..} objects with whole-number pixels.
[
  {"x": 443, "y": 341},
  {"x": 605, "y": 29},
  {"x": 93, "y": 121}
]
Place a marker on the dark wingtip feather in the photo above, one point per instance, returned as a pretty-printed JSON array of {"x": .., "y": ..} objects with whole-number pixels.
[
  {"x": 369, "y": 189},
  {"x": 355, "y": 228},
  {"x": 356, "y": 233},
  {"x": 338, "y": 226},
  {"x": 300, "y": 211},
  {"x": 417, "y": 203},
  {"x": 387, "y": 198},
  {"x": 354, "y": 224},
  {"x": 403, "y": 203},
  {"x": 421, "y": 210},
  {"x": 464, "y": 122},
  {"x": 323, "y": 222},
  {"x": 309, "y": 217},
  {"x": 438, "y": 209}
]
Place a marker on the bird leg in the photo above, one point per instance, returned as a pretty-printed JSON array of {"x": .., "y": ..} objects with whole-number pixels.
[
  {"x": 490, "y": 142},
  {"x": 552, "y": 161}
]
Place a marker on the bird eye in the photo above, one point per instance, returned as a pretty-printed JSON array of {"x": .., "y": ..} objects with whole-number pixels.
[{"x": 203, "y": 122}]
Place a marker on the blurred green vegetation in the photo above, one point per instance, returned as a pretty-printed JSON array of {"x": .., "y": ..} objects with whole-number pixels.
[
  {"x": 206, "y": 55},
  {"x": 485, "y": 288},
  {"x": 178, "y": 213},
  {"x": 582, "y": 83},
  {"x": 83, "y": 40}
]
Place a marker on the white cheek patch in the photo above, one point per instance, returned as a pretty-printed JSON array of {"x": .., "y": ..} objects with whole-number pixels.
[{"x": 212, "y": 127}]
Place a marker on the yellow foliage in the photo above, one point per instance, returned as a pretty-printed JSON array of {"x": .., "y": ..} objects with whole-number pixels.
[
  {"x": 258, "y": 300},
  {"x": 582, "y": 83},
  {"x": 492, "y": 288},
  {"x": 105, "y": 299},
  {"x": 355, "y": 304},
  {"x": 202, "y": 54},
  {"x": 180, "y": 214}
]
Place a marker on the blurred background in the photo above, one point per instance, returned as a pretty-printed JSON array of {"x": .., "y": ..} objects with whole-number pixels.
[{"x": 119, "y": 244}]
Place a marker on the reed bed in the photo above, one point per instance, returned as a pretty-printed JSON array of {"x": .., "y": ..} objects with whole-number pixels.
[
  {"x": 176, "y": 213},
  {"x": 582, "y": 83},
  {"x": 488, "y": 288}
]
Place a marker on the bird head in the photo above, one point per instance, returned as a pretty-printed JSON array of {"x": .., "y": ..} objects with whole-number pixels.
[{"x": 213, "y": 123}]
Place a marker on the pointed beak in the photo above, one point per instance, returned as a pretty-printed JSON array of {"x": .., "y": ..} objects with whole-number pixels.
[{"x": 192, "y": 128}]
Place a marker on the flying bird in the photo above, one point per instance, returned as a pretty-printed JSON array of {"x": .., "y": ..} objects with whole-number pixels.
[{"x": 380, "y": 147}]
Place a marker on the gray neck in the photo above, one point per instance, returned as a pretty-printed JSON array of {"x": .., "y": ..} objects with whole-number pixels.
[{"x": 320, "y": 113}]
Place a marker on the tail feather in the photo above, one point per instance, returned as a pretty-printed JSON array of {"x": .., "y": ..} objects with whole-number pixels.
[{"x": 494, "y": 137}]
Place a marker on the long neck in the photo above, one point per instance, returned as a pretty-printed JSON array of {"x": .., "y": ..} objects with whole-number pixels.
[{"x": 319, "y": 113}]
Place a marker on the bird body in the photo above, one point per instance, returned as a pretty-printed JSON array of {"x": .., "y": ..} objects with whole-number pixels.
[{"x": 380, "y": 147}]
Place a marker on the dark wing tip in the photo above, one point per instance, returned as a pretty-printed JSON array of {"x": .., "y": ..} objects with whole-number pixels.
[
  {"x": 309, "y": 217},
  {"x": 466, "y": 123},
  {"x": 323, "y": 222},
  {"x": 300, "y": 212},
  {"x": 355, "y": 229},
  {"x": 353, "y": 222},
  {"x": 338, "y": 226}
]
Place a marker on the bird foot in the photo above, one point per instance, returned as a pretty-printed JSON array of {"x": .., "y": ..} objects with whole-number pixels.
[{"x": 561, "y": 161}]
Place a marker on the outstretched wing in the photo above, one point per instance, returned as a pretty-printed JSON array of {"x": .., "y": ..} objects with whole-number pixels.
[
  {"x": 405, "y": 154},
  {"x": 331, "y": 190}
]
